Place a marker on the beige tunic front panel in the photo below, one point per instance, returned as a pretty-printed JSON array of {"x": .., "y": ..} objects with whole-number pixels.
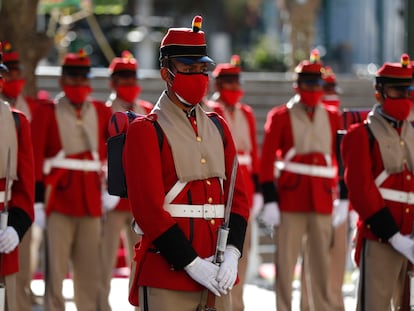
[
  {"x": 77, "y": 135},
  {"x": 196, "y": 157}
]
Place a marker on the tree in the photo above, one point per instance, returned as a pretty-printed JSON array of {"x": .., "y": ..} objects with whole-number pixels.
[{"x": 18, "y": 19}]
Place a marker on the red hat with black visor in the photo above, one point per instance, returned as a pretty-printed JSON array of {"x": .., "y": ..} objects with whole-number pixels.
[
  {"x": 309, "y": 82},
  {"x": 392, "y": 84},
  {"x": 187, "y": 45},
  {"x": 76, "y": 64}
]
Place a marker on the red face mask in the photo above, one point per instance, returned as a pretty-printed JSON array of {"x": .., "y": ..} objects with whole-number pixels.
[
  {"x": 231, "y": 97},
  {"x": 310, "y": 98},
  {"x": 13, "y": 88},
  {"x": 397, "y": 108},
  {"x": 77, "y": 94},
  {"x": 128, "y": 93},
  {"x": 190, "y": 88}
]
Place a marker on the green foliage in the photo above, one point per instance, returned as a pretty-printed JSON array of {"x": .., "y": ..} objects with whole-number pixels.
[{"x": 265, "y": 55}]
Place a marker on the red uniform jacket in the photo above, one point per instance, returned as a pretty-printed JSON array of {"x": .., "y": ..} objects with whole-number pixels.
[
  {"x": 21, "y": 213},
  {"x": 250, "y": 172},
  {"x": 363, "y": 163},
  {"x": 168, "y": 243},
  {"x": 74, "y": 193},
  {"x": 295, "y": 192}
]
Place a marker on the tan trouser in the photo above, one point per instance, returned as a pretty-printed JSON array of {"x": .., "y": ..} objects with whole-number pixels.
[
  {"x": 74, "y": 240},
  {"x": 158, "y": 299},
  {"x": 10, "y": 291},
  {"x": 338, "y": 255},
  {"x": 382, "y": 275},
  {"x": 293, "y": 229},
  {"x": 24, "y": 276},
  {"x": 237, "y": 291},
  {"x": 115, "y": 223}
]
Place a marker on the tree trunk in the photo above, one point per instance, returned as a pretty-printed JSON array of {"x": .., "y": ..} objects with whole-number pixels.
[{"x": 18, "y": 26}]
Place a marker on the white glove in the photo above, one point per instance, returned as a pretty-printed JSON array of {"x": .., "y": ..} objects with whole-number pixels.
[
  {"x": 39, "y": 215},
  {"x": 270, "y": 215},
  {"x": 353, "y": 218},
  {"x": 404, "y": 245},
  {"x": 203, "y": 271},
  {"x": 257, "y": 204},
  {"x": 109, "y": 202},
  {"x": 339, "y": 212},
  {"x": 9, "y": 240},
  {"x": 227, "y": 273}
]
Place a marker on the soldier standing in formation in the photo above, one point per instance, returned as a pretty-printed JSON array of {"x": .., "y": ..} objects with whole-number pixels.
[
  {"x": 30, "y": 245},
  {"x": 378, "y": 157},
  {"x": 301, "y": 137},
  {"x": 118, "y": 216},
  {"x": 16, "y": 168},
  {"x": 178, "y": 163},
  {"x": 242, "y": 123},
  {"x": 70, "y": 138}
]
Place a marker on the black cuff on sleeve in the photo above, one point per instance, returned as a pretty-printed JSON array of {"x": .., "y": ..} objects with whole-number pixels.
[
  {"x": 237, "y": 232},
  {"x": 343, "y": 190},
  {"x": 175, "y": 247},
  {"x": 256, "y": 183},
  {"x": 39, "y": 192},
  {"x": 382, "y": 224},
  {"x": 19, "y": 220},
  {"x": 269, "y": 192}
]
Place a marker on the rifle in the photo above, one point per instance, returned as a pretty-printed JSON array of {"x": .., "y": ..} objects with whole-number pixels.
[
  {"x": 4, "y": 215},
  {"x": 222, "y": 236}
]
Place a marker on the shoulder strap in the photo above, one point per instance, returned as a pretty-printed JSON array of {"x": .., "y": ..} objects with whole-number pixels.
[
  {"x": 371, "y": 137},
  {"x": 213, "y": 117},
  {"x": 216, "y": 121},
  {"x": 16, "y": 120},
  {"x": 160, "y": 135}
]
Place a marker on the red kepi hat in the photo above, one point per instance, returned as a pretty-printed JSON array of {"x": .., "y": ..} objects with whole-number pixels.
[
  {"x": 76, "y": 64},
  {"x": 395, "y": 73},
  {"x": 187, "y": 45},
  {"x": 310, "y": 69},
  {"x": 124, "y": 64},
  {"x": 11, "y": 57},
  {"x": 228, "y": 69}
]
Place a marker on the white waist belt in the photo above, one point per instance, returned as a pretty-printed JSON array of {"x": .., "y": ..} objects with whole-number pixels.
[
  {"x": 305, "y": 169},
  {"x": 72, "y": 164},
  {"x": 244, "y": 159},
  {"x": 206, "y": 211},
  {"x": 397, "y": 196},
  {"x": 2, "y": 194}
]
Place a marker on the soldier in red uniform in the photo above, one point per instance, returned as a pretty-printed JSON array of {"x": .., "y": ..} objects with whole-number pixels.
[
  {"x": 118, "y": 216},
  {"x": 242, "y": 123},
  {"x": 301, "y": 136},
  {"x": 28, "y": 260},
  {"x": 16, "y": 144},
  {"x": 178, "y": 162},
  {"x": 379, "y": 163},
  {"x": 70, "y": 138},
  {"x": 338, "y": 251}
]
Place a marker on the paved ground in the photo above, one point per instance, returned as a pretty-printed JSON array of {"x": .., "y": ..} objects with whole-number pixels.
[{"x": 258, "y": 296}]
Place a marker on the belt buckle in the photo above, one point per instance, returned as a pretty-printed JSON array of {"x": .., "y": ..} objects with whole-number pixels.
[{"x": 208, "y": 211}]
